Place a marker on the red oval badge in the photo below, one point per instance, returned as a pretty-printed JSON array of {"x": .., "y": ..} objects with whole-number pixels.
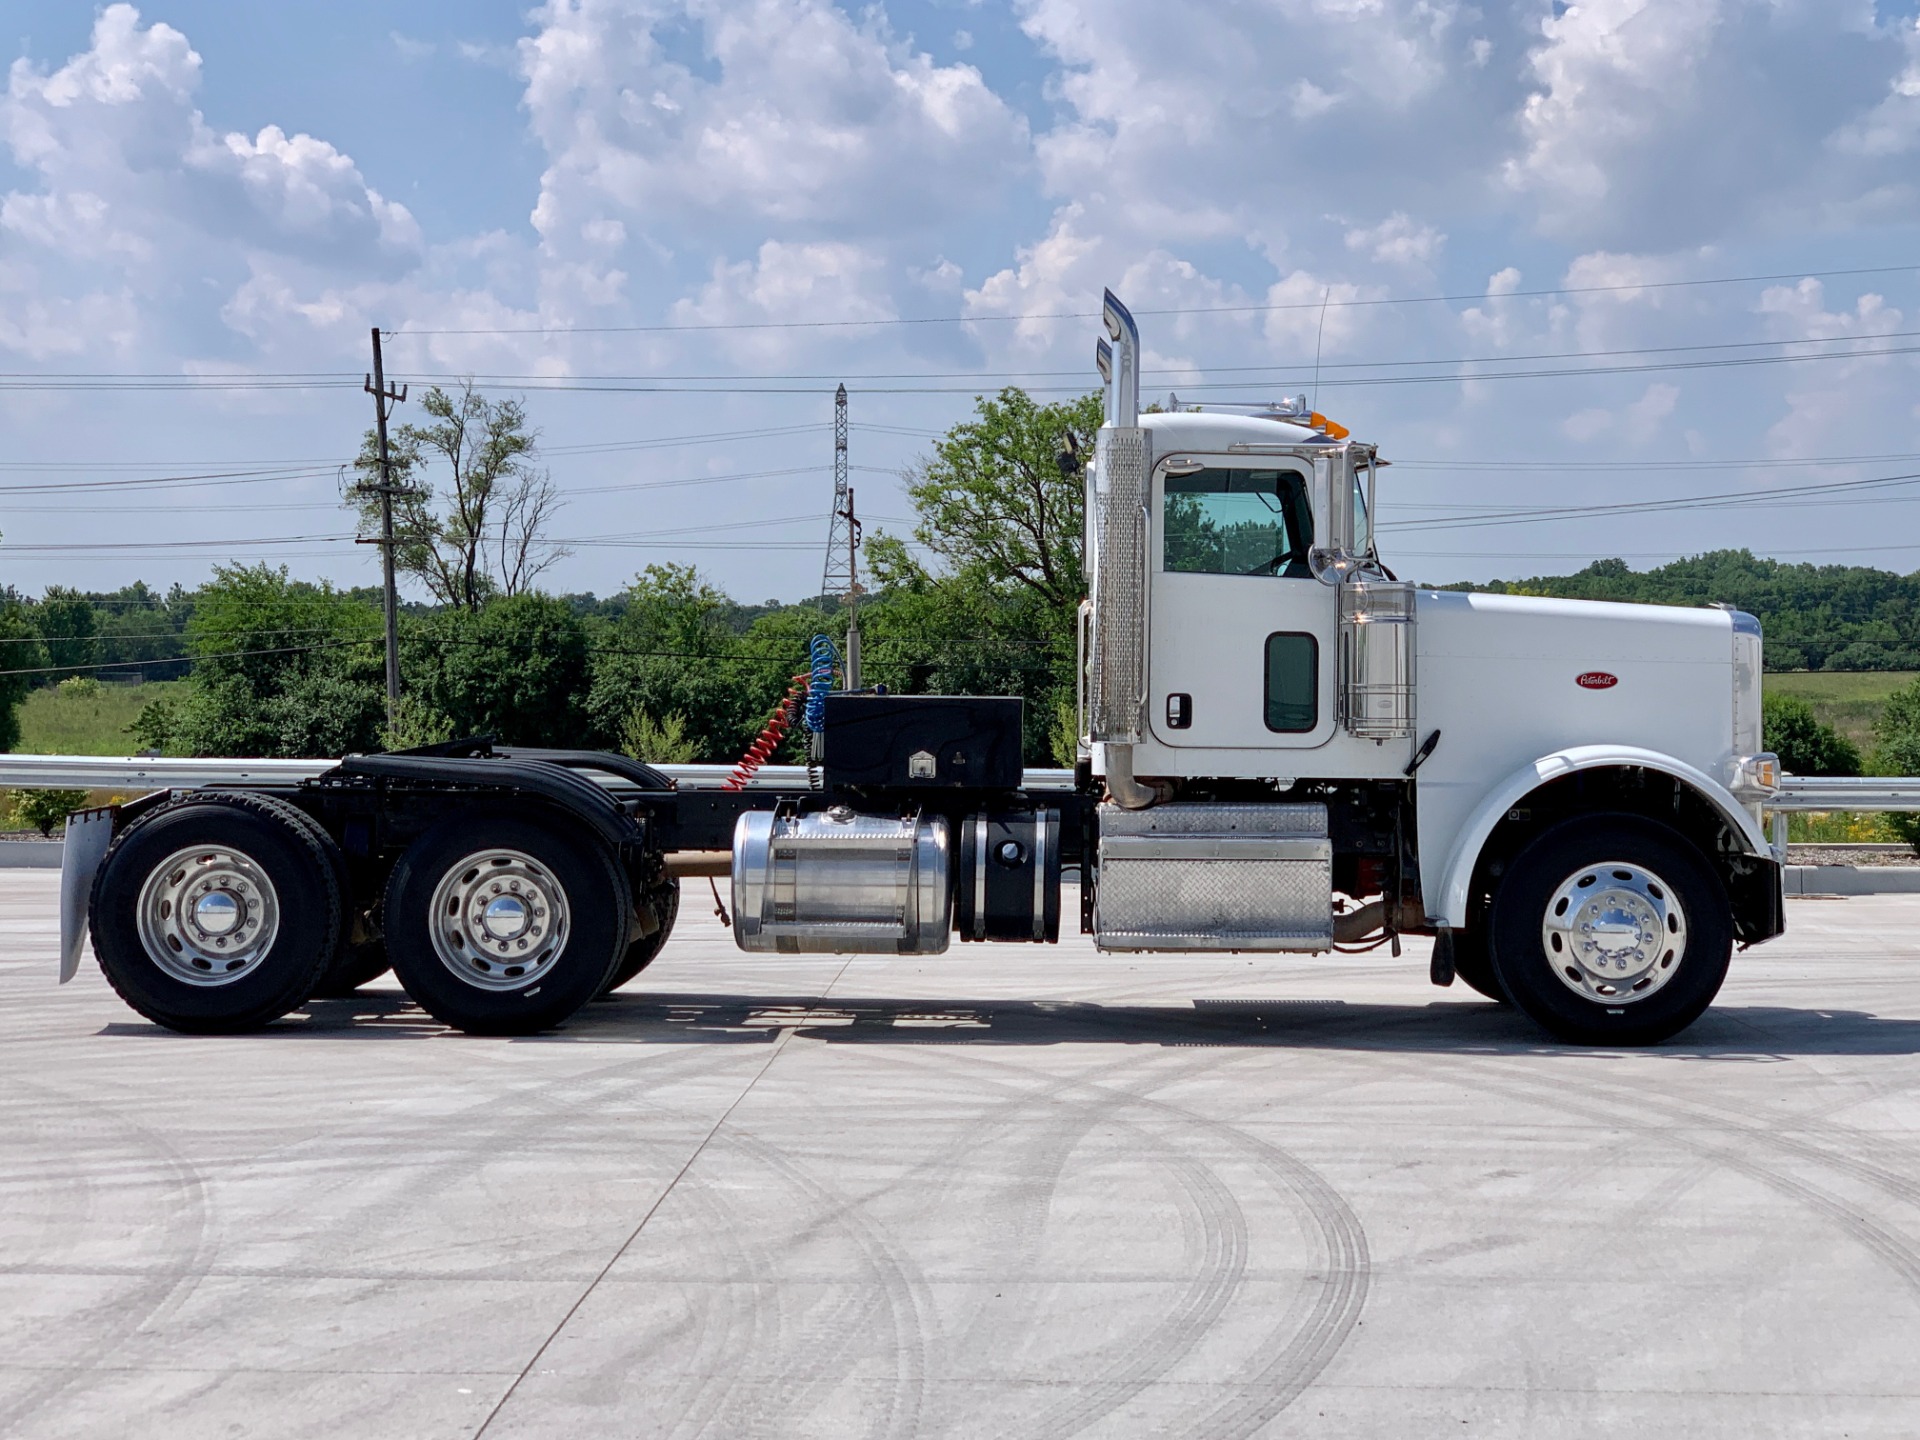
[{"x": 1596, "y": 680}]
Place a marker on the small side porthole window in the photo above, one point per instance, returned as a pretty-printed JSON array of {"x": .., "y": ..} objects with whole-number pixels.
[{"x": 1293, "y": 683}]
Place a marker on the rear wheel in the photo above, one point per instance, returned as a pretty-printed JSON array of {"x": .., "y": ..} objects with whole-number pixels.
[
  {"x": 216, "y": 914},
  {"x": 354, "y": 962},
  {"x": 644, "y": 949},
  {"x": 1611, "y": 930},
  {"x": 503, "y": 926}
]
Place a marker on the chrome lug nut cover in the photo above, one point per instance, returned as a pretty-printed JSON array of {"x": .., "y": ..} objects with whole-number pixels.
[
  {"x": 208, "y": 915},
  {"x": 499, "y": 919},
  {"x": 1614, "y": 933}
]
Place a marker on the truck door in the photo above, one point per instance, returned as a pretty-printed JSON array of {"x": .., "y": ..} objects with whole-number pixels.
[{"x": 1240, "y": 634}]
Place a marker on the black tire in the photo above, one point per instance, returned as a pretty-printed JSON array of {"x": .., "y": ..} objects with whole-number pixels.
[
  {"x": 353, "y": 964},
  {"x": 642, "y": 951},
  {"x": 1473, "y": 963},
  {"x": 533, "y": 986},
  {"x": 271, "y": 835},
  {"x": 1693, "y": 969}
]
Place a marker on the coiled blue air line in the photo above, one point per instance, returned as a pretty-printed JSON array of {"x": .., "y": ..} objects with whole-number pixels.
[{"x": 821, "y": 659}]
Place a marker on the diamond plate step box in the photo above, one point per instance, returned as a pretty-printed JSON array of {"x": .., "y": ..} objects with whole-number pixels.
[{"x": 1206, "y": 876}]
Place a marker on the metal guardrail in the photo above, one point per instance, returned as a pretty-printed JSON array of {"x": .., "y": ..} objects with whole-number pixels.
[
  {"x": 1873, "y": 792},
  {"x": 141, "y": 773}
]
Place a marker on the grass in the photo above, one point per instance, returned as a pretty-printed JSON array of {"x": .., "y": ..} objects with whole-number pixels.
[
  {"x": 56, "y": 722},
  {"x": 1850, "y": 702}
]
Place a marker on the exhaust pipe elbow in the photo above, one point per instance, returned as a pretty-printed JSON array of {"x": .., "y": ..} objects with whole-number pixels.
[
  {"x": 1127, "y": 792},
  {"x": 1360, "y": 924}
]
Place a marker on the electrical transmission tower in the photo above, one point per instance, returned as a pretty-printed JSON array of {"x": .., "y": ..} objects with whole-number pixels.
[{"x": 842, "y": 574}]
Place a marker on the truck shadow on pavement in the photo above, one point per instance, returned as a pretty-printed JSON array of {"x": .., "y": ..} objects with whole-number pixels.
[{"x": 1750, "y": 1033}]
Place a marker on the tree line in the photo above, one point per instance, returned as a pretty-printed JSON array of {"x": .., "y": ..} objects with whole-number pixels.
[
  {"x": 1817, "y": 617},
  {"x": 671, "y": 667},
  {"x": 982, "y": 602}
]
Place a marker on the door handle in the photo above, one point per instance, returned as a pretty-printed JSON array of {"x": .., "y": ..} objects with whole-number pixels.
[{"x": 1179, "y": 711}]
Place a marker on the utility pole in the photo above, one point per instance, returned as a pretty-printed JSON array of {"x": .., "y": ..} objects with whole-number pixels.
[
  {"x": 384, "y": 399},
  {"x": 853, "y": 590},
  {"x": 843, "y": 539}
]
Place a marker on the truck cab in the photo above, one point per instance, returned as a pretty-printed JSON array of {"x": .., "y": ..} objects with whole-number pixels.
[{"x": 1254, "y": 672}]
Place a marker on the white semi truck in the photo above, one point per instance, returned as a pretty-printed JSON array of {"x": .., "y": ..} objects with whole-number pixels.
[{"x": 1284, "y": 749}]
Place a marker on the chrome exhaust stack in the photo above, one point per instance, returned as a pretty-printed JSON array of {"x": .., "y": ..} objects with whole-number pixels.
[{"x": 1116, "y": 543}]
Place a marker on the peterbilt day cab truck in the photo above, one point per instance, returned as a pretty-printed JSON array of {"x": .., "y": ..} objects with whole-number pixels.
[{"x": 1284, "y": 749}]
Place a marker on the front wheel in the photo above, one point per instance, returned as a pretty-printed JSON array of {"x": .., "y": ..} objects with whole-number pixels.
[
  {"x": 1611, "y": 930},
  {"x": 503, "y": 926}
]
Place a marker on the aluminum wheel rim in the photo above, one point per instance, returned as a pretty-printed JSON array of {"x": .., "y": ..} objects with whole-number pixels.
[
  {"x": 208, "y": 915},
  {"x": 1614, "y": 932},
  {"x": 499, "y": 920}
]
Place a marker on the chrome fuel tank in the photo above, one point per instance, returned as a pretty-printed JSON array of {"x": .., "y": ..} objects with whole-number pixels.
[{"x": 838, "y": 882}]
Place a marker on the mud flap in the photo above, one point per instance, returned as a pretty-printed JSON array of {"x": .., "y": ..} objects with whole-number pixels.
[{"x": 89, "y": 832}]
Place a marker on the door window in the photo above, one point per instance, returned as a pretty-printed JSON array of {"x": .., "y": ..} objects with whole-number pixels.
[
  {"x": 1236, "y": 522},
  {"x": 1293, "y": 683}
]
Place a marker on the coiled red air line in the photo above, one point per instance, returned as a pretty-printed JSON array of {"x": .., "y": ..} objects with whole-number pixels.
[{"x": 768, "y": 740}]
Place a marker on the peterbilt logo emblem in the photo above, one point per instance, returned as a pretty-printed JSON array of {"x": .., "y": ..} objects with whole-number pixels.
[{"x": 1596, "y": 680}]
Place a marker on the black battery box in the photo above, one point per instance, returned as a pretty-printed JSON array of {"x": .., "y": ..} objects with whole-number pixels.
[{"x": 916, "y": 742}]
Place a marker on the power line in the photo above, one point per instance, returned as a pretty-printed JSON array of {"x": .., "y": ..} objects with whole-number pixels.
[
  {"x": 1720, "y": 500},
  {"x": 216, "y": 477},
  {"x": 1550, "y": 466},
  {"x": 1358, "y": 303},
  {"x": 505, "y": 378},
  {"x": 215, "y": 545},
  {"x": 1276, "y": 376}
]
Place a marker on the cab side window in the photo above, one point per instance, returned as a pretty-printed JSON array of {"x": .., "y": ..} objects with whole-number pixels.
[{"x": 1236, "y": 522}]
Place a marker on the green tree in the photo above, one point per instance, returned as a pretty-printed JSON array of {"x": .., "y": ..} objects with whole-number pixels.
[
  {"x": 21, "y": 658},
  {"x": 481, "y": 531},
  {"x": 1817, "y": 617},
  {"x": 660, "y": 742},
  {"x": 69, "y": 628},
  {"x": 1897, "y": 751},
  {"x": 676, "y": 650},
  {"x": 1805, "y": 745},
  {"x": 993, "y": 500},
  {"x": 141, "y": 628},
  {"x": 281, "y": 668},
  {"x": 995, "y": 614},
  {"x": 518, "y": 669}
]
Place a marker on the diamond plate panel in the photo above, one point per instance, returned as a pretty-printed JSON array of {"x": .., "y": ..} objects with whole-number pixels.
[
  {"x": 1207, "y": 903},
  {"x": 1119, "y": 586},
  {"x": 1205, "y": 817}
]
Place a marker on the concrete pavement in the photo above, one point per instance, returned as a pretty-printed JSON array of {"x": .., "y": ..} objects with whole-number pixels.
[{"x": 1006, "y": 1191}]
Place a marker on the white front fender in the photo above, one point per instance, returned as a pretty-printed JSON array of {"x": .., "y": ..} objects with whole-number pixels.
[{"x": 1449, "y": 906}]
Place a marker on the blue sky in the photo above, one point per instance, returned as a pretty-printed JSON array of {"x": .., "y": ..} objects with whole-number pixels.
[{"x": 202, "y": 194}]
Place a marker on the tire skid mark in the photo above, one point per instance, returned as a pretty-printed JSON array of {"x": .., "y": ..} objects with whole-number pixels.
[
  {"x": 184, "y": 1221},
  {"x": 1039, "y": 1155},
  {"x": 1339, "y": 1290},
  {"x": 1220, "y": 1267},
  {"x": 1895, "y": 1251},
  {"x": 491, "y": 1127},
  {"x": 901, "y": 1288},
  {"x": 820, "y": 1365},
  {"x": 747, "y": 1324}
]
